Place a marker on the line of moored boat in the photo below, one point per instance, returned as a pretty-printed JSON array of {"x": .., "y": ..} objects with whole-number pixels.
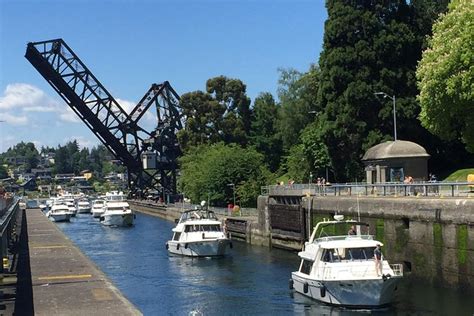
[{"x": 112, "y": 209}]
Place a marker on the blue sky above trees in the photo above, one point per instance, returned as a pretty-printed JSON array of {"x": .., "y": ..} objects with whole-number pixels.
[{"x": 129, "y": 45}]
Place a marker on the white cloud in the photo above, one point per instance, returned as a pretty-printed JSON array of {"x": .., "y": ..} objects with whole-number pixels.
[
  {"x": 28, "y": 98},
  {"x": 38, "y": 144},
  {"x": 127, "y": 106},
  {"x": 13, "y": 119},
  {"x": 40, "y": 109},
  {"x": 68, "y": 115},
  {"x": 23, "y": 95},
  {"x": 8, "y": 141}
]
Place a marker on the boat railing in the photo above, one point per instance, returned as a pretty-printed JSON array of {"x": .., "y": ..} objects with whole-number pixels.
[
  {"x": 397, "y": 269},
  {"x": 344, "y": 237}
]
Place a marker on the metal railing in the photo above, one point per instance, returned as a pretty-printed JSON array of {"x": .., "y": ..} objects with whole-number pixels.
[
  {"x": 422, "y": 188},
  {"x": 8, "y": 234},
  {"x": 222, "y": 211}
]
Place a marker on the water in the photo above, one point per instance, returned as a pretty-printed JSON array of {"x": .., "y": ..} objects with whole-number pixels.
[{"x": 250, "y": 281}]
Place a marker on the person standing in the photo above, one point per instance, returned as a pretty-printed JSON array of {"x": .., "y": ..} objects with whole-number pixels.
[
  {"x": 352, "y": 231},
  {"x": 378, "y": 260}
]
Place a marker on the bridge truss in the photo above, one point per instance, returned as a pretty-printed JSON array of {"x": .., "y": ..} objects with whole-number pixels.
[{"x": 124, "y": 134}]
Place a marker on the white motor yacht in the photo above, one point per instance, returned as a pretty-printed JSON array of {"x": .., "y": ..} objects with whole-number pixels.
[
  {"x": 59, "y": 213},
  {"x": 117, "y": 211},
  {"x": 98, "y": 208},
  {"x": 198, "y": 233},
  {"x": 83, "y": 206},
  {"x": 341, "y": 270}
]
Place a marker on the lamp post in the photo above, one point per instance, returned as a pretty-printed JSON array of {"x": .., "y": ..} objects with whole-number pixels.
[
  {"x": 385, "y": 95},
  {"x": 310, "y": 181}
]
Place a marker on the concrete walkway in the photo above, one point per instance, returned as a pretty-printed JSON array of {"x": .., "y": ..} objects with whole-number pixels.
[{"x": 65, "y": 281}]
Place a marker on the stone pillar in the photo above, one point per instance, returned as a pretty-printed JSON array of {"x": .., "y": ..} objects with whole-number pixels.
[
  {"x": 383, "y": 174},
  {"x": 368, "y": 173}
]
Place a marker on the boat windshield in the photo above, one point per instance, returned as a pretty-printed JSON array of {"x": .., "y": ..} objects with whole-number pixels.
[
  {"x": 347, "y": 254},
  {"x": 202, "y": 228},
  {"x": 198, "y": 214}
]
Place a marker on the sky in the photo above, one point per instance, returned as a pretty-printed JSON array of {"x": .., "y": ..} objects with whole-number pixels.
[{"x": 128, "y": 45}]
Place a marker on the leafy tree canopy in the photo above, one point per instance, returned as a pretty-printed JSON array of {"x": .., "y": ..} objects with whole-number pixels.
[
  {"x": 208, "y": 170},
  {"x": 446, "y": 76},
  {"x": 220, "y": 114},
  {"x": 26, "y": 150},
  {"x": 263, "y": 133},
  {"x": 298, "y": 106}
]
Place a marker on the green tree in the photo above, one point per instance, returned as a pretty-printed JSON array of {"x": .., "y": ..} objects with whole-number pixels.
[
  {"x": 207, "y": 171},
  {"x": 446, "y": 76},
  {"x": 3, "y": 172},
  {"x": 309, "y": 156},
  {"x": 98, "y": 155},
  {"x": 203, "y": 114},
  {"x": 220, "y": 114},
  {"x": 237, "y": 119},
  {"x": 370, "y": 47},
  {"x": 297, "y": 93},
  {"x": 62, "y": 161},
  {"x": 27, "y": 151},
  {"x": 263, "y": 132}
]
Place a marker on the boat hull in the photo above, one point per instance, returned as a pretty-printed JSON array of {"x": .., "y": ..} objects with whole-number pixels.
[
  {"x": 204, "y": 248},
  {"x": 60, "y": 217},
  {"x": 122, "y": 220},
  {"x": 350, "y": 293},
  {"x": 97, "y": 214},
  {"x": 83, "y": 210}
]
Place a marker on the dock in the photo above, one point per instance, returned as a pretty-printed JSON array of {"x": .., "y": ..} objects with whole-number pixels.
[{"x": 64, "y": 281}]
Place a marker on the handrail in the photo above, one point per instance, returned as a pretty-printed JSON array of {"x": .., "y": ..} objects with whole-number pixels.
[
  {"x": 426, "y": 188},
  {"x": 8, "y": 215}
]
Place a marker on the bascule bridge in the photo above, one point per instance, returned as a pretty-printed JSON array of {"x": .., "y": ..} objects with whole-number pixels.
[{"x": 149, "y": 155}]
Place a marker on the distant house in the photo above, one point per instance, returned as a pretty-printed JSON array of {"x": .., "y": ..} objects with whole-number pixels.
[
  {"x": 47, "y": 159},
  {"x": 16, "y": 161},
  {"x": 64, "y": 177},
  {"x": 45, "y": 188},
  {"x": 42, "y": 173},
  {"x": 87, "y": 174}
]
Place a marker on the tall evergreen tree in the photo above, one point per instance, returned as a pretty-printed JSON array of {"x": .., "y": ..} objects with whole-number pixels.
[
  {"x": 263, "y": 133},
  {"x": 369, "y": 47}
]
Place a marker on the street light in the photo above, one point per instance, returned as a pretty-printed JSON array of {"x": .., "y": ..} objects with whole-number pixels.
[{"x": 385, "y": 95}]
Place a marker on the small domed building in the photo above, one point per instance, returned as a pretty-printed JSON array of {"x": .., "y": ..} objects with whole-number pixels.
[{"x": 391, "y": 161}]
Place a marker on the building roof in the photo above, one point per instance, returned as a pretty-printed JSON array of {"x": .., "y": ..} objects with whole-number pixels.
[{"x": 395, "y": 149}]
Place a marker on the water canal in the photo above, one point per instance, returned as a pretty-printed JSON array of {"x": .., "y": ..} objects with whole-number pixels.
[{"x": 250, "y": 281}]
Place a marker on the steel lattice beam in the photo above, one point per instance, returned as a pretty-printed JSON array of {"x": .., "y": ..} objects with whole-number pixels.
[{"x": 120, "y": 132}]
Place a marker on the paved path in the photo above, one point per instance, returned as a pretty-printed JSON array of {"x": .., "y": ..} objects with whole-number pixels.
[{"x": 65, "y": 281}]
